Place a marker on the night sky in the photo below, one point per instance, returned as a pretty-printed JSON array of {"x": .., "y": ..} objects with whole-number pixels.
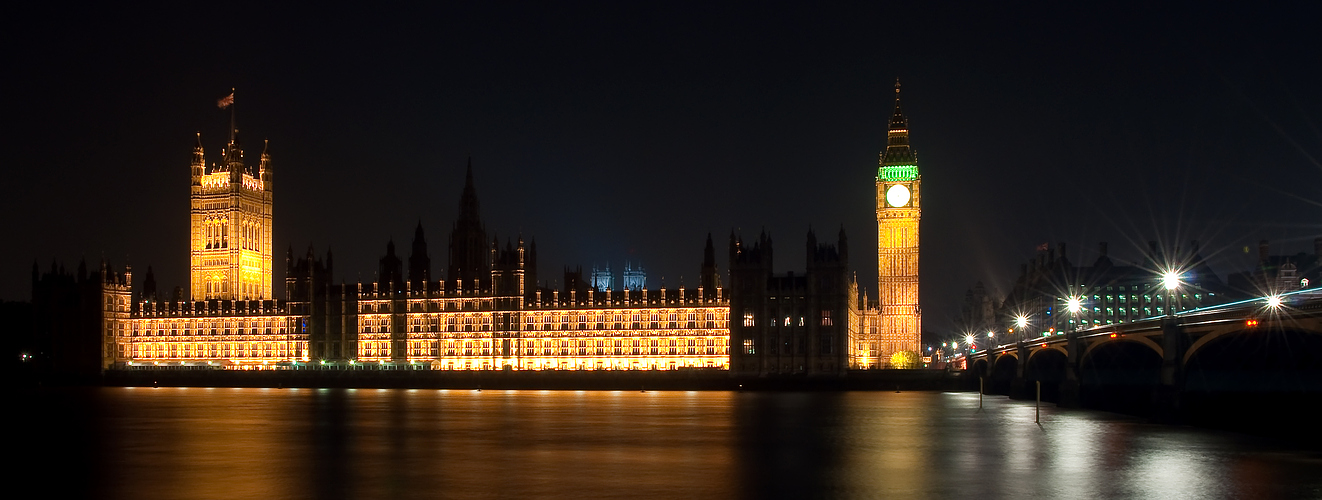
[{"x": 628, "y": 131}]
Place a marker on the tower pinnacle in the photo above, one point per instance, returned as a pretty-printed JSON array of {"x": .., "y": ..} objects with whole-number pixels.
[
  {"x": 898, "y": 161},
  {"x": 898, "y": 120}
]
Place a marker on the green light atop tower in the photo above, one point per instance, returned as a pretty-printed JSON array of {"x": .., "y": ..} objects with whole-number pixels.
[{"x": 897, "y": 173}]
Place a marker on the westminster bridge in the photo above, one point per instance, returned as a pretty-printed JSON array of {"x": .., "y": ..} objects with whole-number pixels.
[{"x": 1261, "y": 356}]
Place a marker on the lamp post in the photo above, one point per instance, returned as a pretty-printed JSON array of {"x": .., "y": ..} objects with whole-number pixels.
[{"x": 1021, "y": 322}]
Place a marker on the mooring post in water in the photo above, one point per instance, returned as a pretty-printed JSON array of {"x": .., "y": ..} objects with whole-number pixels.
[
  {"x": 979, "y": 393},
  {"x": 1037, "y": 409}
]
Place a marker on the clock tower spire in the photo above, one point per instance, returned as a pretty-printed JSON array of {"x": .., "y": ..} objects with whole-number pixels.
[{"x": 899, "y": 209}]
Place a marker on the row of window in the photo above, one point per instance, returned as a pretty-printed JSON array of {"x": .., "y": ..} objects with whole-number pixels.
[
  {"x": 826, "y": 319},
  {"x": 190, "y": 350},
  {"x": 211, "y": 331},
  {"x": 554, "y": 347},
  {"x": 790, "y": 346}
]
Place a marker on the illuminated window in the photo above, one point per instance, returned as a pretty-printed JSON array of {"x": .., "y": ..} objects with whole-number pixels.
[
  {"x": 826, "y": 318},
  {"x": 748, "y": 347},
  {"x": 748, "y": 321}
]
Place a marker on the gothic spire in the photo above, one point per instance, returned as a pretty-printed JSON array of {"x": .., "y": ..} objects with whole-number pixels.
[
  {"x": 468, "y": 206},
  {"x": 898, "y": 120},
  {"x": 199, "y": 160},
  {"x": 470, "y": 251},
  {"x": 898, "y": 153}
]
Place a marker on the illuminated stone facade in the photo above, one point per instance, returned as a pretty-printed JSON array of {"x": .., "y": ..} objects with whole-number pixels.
[
  {"x": 487, "y": 310},
  {"x": 487, "y": 314},
  {"x": 230, "y": 246},
  {"x": 896, "y": 323}
]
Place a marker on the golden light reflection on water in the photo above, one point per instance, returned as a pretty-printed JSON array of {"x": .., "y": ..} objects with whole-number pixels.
[{"x": 369, "y": 443}]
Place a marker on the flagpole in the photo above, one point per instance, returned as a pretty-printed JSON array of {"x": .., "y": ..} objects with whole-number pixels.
[{"x": 231, "y": 115}]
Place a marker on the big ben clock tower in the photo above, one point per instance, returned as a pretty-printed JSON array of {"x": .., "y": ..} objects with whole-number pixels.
[{"x": 899, "y": 208}]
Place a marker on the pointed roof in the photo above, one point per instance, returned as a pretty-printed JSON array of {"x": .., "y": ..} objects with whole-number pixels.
[
  {"x": 468, "y": 205},
  {"x": 898, "y": 162},
  {"x": 898, "y": 120},
  {"x": 417, "y": 234}
]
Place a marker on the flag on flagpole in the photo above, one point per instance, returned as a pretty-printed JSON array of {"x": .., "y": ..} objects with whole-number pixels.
[{"x": 226, "y": 101}]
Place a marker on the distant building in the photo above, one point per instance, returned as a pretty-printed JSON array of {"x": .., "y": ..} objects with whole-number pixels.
[
  {"x": 602, "y": 279},
  {"x": 1276, "y": 274},
  {"x": 635, "y": 277},
  {"x": 1108, "y": 292}
]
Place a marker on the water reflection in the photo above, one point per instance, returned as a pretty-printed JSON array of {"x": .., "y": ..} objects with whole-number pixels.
[{"x": 368, "y": 443}]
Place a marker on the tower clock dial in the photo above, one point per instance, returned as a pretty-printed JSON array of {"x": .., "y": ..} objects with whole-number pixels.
[{"x": 897, "y": 195}]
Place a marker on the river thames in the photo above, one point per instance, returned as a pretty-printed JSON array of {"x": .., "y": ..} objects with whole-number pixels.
[{"x": 413, "y": 443}]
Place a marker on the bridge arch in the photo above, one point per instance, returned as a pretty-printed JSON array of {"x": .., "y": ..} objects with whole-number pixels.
[
  {"x": 1119, "y": 375},
  {"x": 979, "y": 367},
  {"x": 1048, "y": 366},
  {"x": 1051, "y": 347},
  {"x": 1216, "y": 333},
  {"x": 1266, "y": 360},
  {"x": 1273, "y": 370},
  {"x": 1125, "y": 338},
  {"x": 1002, "y": 375}
]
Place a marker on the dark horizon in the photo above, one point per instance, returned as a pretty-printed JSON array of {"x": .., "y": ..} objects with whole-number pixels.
[{"x": 631, "y": 132}]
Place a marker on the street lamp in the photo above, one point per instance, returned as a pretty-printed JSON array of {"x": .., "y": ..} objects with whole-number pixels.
[{"x": 1020, "y": 323}]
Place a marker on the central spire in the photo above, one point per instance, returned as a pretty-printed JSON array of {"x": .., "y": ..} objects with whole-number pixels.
[
  {"x": 468, "y": 205},
  {"x": 470, "y": 250}
]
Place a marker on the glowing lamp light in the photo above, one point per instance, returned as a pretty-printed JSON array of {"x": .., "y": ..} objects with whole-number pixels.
[
  {"x": 1274, "y": 301},
  {"x": 1074, "y": 304},
  {"x": 990, "y": 334},
  {"x": 1170, "y": 280},
  {"x": 969, "y": 340},
  {"x": 1021, "y": 321}
]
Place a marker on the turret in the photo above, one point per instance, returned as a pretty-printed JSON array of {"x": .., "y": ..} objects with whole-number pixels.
[
  {"x": 813, "y": 251},
  {"x": 149, "y": 286},
  {"x": 389, "y": 275},
  {"x": 708, "y": 278},
  {"x": 419, "y": 261},
  {"x": 199, "y": 165},
  {"x": 264, "y": 167},
  {"x": 843, "y": 245}
]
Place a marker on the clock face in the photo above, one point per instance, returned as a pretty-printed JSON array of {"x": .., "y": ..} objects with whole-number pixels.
[{"x": 897, "y": 195}]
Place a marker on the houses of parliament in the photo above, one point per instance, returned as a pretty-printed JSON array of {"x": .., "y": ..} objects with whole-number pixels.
[{"x": 486, "y": 309}]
